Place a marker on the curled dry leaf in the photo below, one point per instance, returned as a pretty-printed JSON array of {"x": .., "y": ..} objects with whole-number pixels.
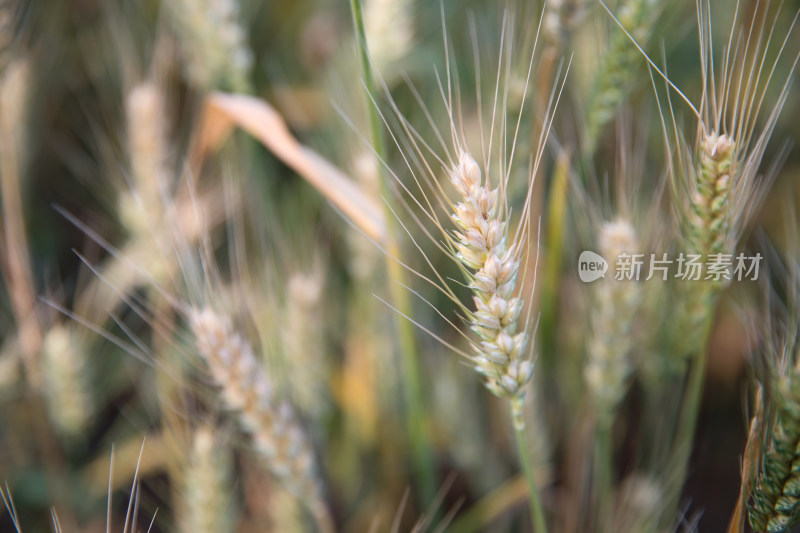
[{"x": 223, "y": 111}]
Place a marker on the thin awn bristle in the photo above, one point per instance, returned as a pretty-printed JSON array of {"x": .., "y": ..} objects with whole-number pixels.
[{"x": 276, "y": 435}]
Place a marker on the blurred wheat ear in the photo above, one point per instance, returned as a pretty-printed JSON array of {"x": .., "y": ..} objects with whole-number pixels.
[{"x": 245, "y": 389}]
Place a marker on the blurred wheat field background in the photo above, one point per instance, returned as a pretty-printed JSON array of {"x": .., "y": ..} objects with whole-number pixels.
[{"x": 399, "y": 265}]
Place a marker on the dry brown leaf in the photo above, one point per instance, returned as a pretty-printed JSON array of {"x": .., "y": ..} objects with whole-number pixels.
[
  {"x": 752, "y": 452},
  {"x": 262, "y": 121}
]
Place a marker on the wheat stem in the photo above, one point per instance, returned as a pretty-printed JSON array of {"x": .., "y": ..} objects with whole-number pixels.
[
  {"x": 553, "y": 263},
  {"x": 690, "y": 409},
  {"x": 603, "y": 473},
  {"x": 495, "y": 504},
  {"x": 412, "y": 385},
  {"x": 537, "y": 513}
]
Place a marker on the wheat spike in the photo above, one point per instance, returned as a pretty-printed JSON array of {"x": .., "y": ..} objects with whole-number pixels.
[
  {"x": 775, "y": 503},
  {"x": 207, "y": 485},
  {"x": 612, "y": 81},
  {"x": 277, "y": 437},
  {"x": 303, "y": 342},
  {"x": 390, "y": 30},
  {"x": 615, "y": 307},
  {"x": 214, "y": 43},
  {"x": 707, "y": 225},
  {"x": 66, "y": 367},
  {"x": 148, "y": 152},
  {"x": 492, "y": 267}
]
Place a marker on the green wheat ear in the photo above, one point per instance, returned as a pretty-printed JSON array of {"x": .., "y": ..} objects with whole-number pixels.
[
  {"x": 612, "y": 82},
  {"x": 775, "y": 503},
  {"x": 706, "y": 230}
]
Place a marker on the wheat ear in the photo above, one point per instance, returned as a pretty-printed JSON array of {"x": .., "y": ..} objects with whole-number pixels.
[
  {"x": 608, "y": 366},
  {"x": 69, "y": 400},
  {"x": 207, "y": 485},
  {"x": 775, "y": 503},
  {"x": 277, "y": 438},
  {"x": 148, "y": 144},
  {"x": 615, "y": 71},
  {"x": 707, "y": 225},
  {"x": 214, "y": 43},
  {"x": 303, "y": 343},
  {"x": 706, "y": 232},
  {"x": 491, "y": 267}
]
